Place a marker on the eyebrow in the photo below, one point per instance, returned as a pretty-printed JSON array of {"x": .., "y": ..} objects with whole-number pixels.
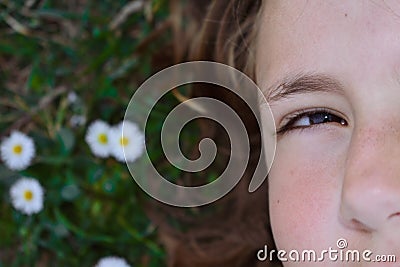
[{"x": 303, "y": 84}]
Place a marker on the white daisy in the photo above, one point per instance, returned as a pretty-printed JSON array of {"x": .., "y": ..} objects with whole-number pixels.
[
  {"x": 97, "y": 137},
  {"x": 17, "y": 151},
  {"x": 27, "y": 196},
  {"x": 77, "y": 120},
  {"x": 72, "y": 97},
  {"x": 127, "y": 141},
  {"x": 112, "y": 262}
]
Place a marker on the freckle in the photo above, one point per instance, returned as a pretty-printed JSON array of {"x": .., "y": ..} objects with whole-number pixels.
[{"x": 278, "y": 201}]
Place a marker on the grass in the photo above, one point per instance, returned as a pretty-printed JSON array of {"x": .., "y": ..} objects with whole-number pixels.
[{"x": 100, "y": 52}]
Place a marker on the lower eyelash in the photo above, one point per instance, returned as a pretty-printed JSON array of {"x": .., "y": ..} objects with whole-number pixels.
[{"x": 298, "y": 129}]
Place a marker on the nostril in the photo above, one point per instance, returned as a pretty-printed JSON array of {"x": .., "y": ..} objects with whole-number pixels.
[{"x": 356, "y": 224}]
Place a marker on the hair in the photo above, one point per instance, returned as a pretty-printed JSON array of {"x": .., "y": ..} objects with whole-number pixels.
[{"x": 230, "y": 231}]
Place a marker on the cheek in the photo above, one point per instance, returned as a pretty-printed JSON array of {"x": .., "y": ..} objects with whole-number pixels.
[{"x": 304, "y": 185}]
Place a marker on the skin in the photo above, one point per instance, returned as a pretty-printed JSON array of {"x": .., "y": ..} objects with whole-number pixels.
[{"x": 330, "y": 181}]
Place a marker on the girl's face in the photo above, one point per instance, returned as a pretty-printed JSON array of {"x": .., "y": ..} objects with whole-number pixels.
[{"x": 331, "y": 72}]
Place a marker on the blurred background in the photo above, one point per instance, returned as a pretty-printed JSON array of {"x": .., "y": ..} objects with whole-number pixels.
[{"x": 63, "y": 65}]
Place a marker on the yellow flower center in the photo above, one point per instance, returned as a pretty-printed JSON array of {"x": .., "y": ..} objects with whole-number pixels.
[
  {"x": 124, "y": 141},
  {"x": 28, "y": 195},
  {"x": 102, "y": 138},
  {"x": 17, "y": 149}
]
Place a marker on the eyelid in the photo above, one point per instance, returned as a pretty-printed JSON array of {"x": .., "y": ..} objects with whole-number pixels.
[{"x": 291, "y": 117}]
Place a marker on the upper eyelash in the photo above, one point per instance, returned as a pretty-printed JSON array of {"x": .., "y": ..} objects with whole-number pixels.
[{"x": 291, "y": 119}]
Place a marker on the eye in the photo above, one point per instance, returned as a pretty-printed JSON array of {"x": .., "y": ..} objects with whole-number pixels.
[{"x": 305, "y": 119}]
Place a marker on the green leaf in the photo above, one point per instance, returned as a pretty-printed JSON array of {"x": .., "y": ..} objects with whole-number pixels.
[
  {"x": 67, "y": 140},
  {"x": 81, "y": 232}
]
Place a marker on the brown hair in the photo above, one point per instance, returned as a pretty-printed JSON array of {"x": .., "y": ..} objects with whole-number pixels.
[{"x": 230, "y": 231}]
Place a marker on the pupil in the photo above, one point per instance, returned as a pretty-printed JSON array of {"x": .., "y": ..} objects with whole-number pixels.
[
  {"x": 320, "y": 118},
  {"x": 325, "y": 118}
]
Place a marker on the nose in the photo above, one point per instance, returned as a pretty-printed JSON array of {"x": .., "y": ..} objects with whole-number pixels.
[{"x": 370, "y": 198}]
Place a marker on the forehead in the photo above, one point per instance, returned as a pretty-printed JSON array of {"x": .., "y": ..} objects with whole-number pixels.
[{"x": 337, "y": 37}]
